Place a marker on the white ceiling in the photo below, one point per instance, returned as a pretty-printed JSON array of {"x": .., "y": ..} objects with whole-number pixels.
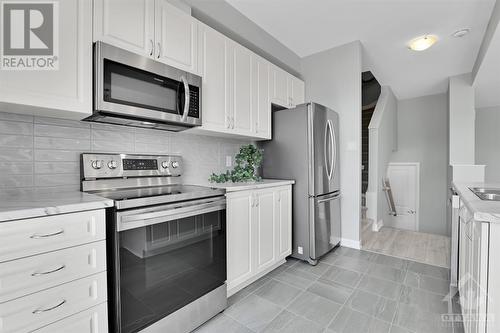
[
  {"x": 487, "y": 81},
  {"x": 383, "y": 27}
]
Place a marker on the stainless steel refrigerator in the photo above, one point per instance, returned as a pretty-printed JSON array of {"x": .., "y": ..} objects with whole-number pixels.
[{"x": 305, "y": 147}]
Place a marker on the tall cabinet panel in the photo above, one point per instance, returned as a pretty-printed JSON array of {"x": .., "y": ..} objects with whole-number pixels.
[
  {"x": 214, "y": 63},
  {"x": 241, "y": 110},
  {"x": 284, "y": 221},
  {"x": 261, "y": 105},
  {"x": 176, "y": 35},
  {"x": 126, "y": 24}
]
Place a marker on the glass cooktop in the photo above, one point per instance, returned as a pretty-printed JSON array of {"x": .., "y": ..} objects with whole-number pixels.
[{"x": 144, "y": 196}]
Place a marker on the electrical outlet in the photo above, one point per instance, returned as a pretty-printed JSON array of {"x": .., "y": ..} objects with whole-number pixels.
[
  {"x": 300, "y": 250},
  {"x": 229, "y": 161}
]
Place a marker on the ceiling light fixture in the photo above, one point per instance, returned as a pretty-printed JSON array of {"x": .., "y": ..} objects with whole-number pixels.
[
  {"x": 422, "y": 43},
  {"x": 460, "y": 33}
]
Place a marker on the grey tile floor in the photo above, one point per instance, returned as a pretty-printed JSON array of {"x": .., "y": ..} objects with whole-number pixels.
[{"x": 348, "y": 291}]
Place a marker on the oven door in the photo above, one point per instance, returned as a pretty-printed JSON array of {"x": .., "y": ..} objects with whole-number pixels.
[
  {"x": 166, "y": 257},
  {"x": 136, "y": 87}
]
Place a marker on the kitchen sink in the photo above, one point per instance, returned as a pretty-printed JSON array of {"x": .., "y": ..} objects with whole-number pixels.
[{"x": 489, "y": 194}]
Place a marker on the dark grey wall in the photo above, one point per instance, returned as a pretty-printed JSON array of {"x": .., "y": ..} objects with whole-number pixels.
[{"x": 224, "y": 18}]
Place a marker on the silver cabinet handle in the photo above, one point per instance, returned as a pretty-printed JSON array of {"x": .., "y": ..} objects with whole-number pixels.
[
  {"x": 228, "y": 121},
  {"x": 38, "y": 236},
  {"x": 39, "y": 311},
  {"x": 151, "y": 50},
  {"x": 159, "y": 51},
  {"x": 49, "y": 272},
  {"x": 232, "y": 122},
  {"x": 187, "y": 98}
]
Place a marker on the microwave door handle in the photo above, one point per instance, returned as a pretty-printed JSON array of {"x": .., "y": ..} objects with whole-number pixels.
[{"x": 186, "y": 98}]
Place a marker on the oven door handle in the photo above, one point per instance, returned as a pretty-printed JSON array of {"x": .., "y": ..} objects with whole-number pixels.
[{"x": 129, "y": 220}]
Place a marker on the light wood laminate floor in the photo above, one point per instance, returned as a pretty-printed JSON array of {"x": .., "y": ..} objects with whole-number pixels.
[{"x": 418, "y": 246}]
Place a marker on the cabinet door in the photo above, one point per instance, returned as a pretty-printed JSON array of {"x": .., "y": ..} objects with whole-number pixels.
[
  {"x": 127, "y": 24},
  {"x": 214, "y": 55},
  {"x": 66, "y": 92},
  {"x": 265, "y": 229},
  {"x": 261, "y": 105},
  {"x": 279, "y": 86},
  {"x": 284, "y": 221},
  {"x": 241, "y": 110},
  {"x": 175, "y": 36},
  {"x": 239, "y": 237},
  {"x": 296, "y": 91}
]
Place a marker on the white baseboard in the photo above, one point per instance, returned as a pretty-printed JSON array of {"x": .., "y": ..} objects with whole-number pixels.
[
  {"x": 376, "y": 226},
  {"x": 350, "y": 243}
]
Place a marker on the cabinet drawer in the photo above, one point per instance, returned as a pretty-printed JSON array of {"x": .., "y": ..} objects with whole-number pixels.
[
  {"x": 93, "y": 320},
  {"x": 25, "y": 276},
  {"x": 28, "y": 313},
  {"x": 28, "y": 237}
]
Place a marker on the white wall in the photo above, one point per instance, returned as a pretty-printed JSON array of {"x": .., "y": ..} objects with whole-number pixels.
[
  {"x": 382, "y": 141},
  {"x": 488, "y": 141},
  {"x": 333, "y": 78},
  {"x": 461, "y": 120},
  {"x": 422, "y": 124}
]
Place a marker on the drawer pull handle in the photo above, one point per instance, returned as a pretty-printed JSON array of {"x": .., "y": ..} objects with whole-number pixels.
[
  {"x": 39, "y": 311},
  {"x": 37, "y": 236},
  {"x": 48, "y": 272}
]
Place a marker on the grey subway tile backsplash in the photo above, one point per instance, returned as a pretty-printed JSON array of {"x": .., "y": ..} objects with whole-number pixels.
[{"x": 44, "y": 153}]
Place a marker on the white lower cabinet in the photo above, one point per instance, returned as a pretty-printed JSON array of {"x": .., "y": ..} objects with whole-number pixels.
[
  {"x": 259, "y": 235},
  {"x": 53, "y": 274},
  {"x": 93, "y": 320},
  {"x": 479, "y": 273}
]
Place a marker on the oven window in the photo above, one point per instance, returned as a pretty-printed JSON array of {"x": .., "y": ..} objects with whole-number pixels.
[
  {"x": 166, "y": 266},
  {"x": 134, "y": 87}
]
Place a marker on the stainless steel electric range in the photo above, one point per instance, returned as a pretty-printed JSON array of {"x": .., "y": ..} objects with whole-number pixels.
[{"x": 166, "y": 243}]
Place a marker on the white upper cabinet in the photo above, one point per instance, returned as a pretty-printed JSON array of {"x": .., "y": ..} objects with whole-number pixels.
[
  {"x": 261, "y": 103},
  {"x": 153, "y": 28},
  {"x": 285, "y": 89},
  {"x": 279, "y": 86},
  {"x": 126, "y": 24},
  {"x": 214, "y": 65},
  {"x": 66, "y": 92},
  {"x": 176, "y": 35},
  {"x": 296, "y": 91},
  {"x": 241, "y": 110}
]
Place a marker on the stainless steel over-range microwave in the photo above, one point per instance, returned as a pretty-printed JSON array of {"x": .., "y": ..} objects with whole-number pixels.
[{"x": 135, "y": 90}]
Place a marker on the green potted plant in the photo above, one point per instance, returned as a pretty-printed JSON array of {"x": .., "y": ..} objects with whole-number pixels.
[{"x": 247, "y": 161}]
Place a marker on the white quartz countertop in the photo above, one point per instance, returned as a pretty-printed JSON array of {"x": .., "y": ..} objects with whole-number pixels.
[
  {"x": 233, "y": 187},
  {"x": 483, "y": 210},
  {"x": 31, "y": 203}
]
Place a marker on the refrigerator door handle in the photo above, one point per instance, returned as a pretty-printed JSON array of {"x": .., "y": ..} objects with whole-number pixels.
[
  {"x": 334, "y": 148},
  {"x": 336, "y": 196},
  {"x": 329, "y": 166}
]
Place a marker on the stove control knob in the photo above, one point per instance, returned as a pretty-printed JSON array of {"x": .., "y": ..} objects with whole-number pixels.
[
  {"x": 164, "y": 164},
  {"x": 112, "y": 164},
  {"x": 97, "y": 164},
  {"x": 175, "y": 164}
]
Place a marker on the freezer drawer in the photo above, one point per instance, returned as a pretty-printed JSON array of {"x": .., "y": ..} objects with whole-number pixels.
[{"x": 325, "y": 228}]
